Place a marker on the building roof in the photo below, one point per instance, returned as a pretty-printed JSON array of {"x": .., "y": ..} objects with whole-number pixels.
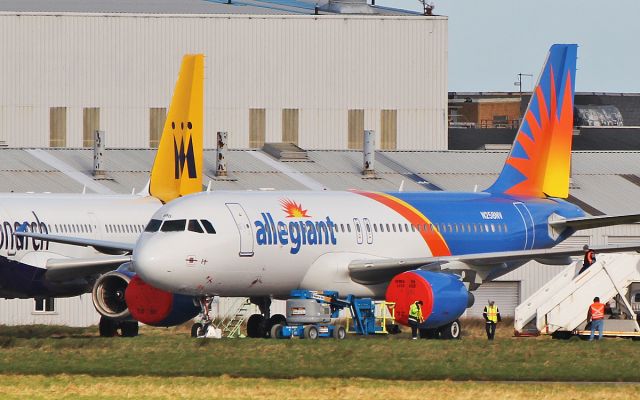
[
  {"x": 197, "y": 7},
  {"x": 605, "y": 181}
]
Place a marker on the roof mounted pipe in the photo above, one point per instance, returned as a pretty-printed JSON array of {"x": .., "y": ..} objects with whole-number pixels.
[
  {"x": 98, "y": 154},
  {"x": 369, "y": 151},
  {"x": 221, "y": 154}
]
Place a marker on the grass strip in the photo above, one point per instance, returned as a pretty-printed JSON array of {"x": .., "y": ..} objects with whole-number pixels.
[
  {"x": 225, "y": 387},
  {"x": 170, "y": 354}
]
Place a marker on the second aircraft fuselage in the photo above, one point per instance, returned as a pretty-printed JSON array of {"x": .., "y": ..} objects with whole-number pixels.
[
  {"x": 119, "y": 218},
  {"x": 268, "y": 243}
]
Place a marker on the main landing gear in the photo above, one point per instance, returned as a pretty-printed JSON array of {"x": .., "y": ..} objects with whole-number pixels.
[
  {"x": 199, "y": 329},
  {"x": 109, "y": 327},
  {"x": 259, "y": 325},
  {"x": 452, "y": 330}
]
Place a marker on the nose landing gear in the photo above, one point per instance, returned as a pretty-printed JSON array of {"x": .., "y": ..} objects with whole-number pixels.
[{"x": 199, "y": 329}]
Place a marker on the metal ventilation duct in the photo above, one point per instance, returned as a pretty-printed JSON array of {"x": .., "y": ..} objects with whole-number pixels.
[{"x": 348, "y": 7}]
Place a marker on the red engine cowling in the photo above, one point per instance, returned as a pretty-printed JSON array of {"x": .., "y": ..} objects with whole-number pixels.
[
  {"x": 444, "y": 296},
  {"x": 156, "y": 307}
]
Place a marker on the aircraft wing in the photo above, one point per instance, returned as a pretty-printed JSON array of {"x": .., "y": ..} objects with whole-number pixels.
[
  {"x": 70, "y": 268},
  {"x": 103, "y": 246},
  {"x": 595, "y": 222},
  {"x": 381, "y": 270}
]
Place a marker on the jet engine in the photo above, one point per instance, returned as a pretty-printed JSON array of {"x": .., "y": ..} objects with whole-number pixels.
[
  {"x": 156, "y": 307},
  {"x": 444, "y": 297},
  {"x": 108, "y": 295},
  {"x": 122, "y": 296}
]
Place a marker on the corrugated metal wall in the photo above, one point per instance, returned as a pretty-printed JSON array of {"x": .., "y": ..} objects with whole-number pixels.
[
  {"x": 127, "y": 64},
  {"x": 74, "y": 311}
]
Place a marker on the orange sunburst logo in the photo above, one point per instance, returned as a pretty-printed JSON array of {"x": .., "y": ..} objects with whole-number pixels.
[{"x": 293, "y": 209}]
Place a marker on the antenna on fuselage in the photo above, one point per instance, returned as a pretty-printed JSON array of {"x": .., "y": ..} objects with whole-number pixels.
[
  {"x": 84, "y": 189},
  {"x": 475, "y": 188},
  {"x": 401, "y": 188},
  {"x": 209, "y": 186}
]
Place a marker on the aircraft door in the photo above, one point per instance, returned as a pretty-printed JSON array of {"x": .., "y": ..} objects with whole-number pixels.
[
  {"x": 368, "y": 231},
  {"x": 244, "y": 228},
  {"x": 529, "y": 226},
  {"x": 358, "y": 226}
]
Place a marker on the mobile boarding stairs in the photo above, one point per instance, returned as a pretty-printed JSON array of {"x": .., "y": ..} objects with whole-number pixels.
[{"x": 560, "y": 307}]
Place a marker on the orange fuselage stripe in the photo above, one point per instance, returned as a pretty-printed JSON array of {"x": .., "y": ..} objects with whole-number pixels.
[{"x": 432, "y": 238}]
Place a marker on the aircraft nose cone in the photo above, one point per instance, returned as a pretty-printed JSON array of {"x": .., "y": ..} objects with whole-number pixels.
[{"x": 147, "y": 263}]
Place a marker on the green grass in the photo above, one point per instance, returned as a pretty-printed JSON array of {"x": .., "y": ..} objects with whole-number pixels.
[
  {"x": 171, "y": 353},
  {"x": 224, "y": 387}
]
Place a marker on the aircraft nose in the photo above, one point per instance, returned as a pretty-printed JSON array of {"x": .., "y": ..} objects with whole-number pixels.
[{"x": 149, "y": 263}]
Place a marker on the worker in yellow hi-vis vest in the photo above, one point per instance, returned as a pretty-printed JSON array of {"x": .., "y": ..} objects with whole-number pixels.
[
  {"x": 415, "y": 317},
  {"x": 491, "y": 316}
]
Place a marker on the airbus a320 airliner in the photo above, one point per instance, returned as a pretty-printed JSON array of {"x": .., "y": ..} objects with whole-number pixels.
[{"x": 402, "y": 246}]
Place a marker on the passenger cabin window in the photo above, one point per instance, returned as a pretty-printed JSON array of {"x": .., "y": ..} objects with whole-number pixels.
[
  {"x": 174, "y": 225},
  {"x": 207, "y": 226},
  {"x": 153, "y": 225},
  {"x": 194, "y": 226}
]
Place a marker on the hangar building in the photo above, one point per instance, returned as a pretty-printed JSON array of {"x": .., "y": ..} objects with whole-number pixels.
[{"x": 311, "y": 73}]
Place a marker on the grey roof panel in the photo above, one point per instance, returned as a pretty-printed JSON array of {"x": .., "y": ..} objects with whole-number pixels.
[
  {"x": 430, "y": 162},
  {"x": 37, "y": 181},
  {"x": 596, "y": 179},
  {"x": 20, "y": 160},
  {"x": 197, "y": 7}
]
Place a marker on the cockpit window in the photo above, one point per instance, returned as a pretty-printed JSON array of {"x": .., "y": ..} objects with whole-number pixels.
[
  {"x": 194, "y": 226},
  {"x": 207, "y": 226},
  {"x": 153, "y": 225},
  {"x": 174, "y": 225}
]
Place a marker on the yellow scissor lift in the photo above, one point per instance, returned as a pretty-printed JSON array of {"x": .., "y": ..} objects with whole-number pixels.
[{"x": 383, "y": 313}]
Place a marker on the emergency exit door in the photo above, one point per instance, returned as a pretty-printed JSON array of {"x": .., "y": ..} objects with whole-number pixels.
[
  {"x": 244, "y": 229},
  {"x": 529, "y": 225}
]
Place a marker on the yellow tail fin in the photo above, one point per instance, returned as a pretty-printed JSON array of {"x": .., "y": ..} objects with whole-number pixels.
[{"x": 177, "y": 169}]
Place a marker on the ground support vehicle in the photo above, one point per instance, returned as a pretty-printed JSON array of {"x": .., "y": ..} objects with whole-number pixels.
[{"x": 312, "y": 315}]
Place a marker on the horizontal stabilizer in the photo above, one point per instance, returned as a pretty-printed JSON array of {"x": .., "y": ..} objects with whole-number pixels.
[
  {"x": 595, "y": 222},
  {"x": 71, "y": 268},
  {"x": 103, "y": 246},
  {"x": 370, "y": 272}
]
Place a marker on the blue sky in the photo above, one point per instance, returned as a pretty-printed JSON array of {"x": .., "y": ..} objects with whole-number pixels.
[{"x": 491, "y": 41}]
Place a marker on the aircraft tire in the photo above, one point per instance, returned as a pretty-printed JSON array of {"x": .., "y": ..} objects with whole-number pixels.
[
  {"x": 429, "y": 334},
  {"x": 196, "y": 330},
  {"x": 107, "y": 327},
  {"x": 452, "y": 330},
  {"x": 255, "y": 326},
  {"x": 129, "y": 328},
  {"x": 277, "y": 319}
]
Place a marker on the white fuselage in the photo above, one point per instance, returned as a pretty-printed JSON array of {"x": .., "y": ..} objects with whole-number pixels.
[
  {"x": 258, "y": 248},
  {"x": 118, "y": 218}
]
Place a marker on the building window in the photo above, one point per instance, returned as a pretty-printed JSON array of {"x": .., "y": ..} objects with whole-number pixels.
[
  {"x": 90, "y": 124},
  {"x": 157, "y": 117},
  {"x": 356, "y": 129},
  {"x": 257, "y": 127},
  {"x": 58, "y": 127},
  {"x": 44, "y": 305},
  {"x": 290, "y": 123},
  {"x": 389, "y": 128}
]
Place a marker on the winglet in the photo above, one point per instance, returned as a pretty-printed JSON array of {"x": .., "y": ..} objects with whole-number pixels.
[
  {"x": 540, "y": 158},
  {"x": 177, "y": 169}
]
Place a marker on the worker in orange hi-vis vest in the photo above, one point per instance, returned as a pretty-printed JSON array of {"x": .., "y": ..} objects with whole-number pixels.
[
  {"x": 589, "y": 259},
  {"x": 596, "y": 316}
]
